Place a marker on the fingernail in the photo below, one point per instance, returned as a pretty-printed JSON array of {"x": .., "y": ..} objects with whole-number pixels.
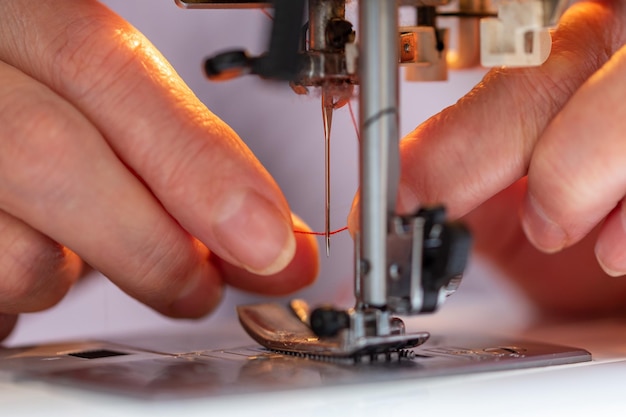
[
  {"x": 609, "y": 271},
  {"x": 353, "y": 223},
  {"x": 542, "y": 232},
  {"x": 608, "y": 250},
  {"x": 254, "y": 232},
  {"x": 200, "y": 296}
]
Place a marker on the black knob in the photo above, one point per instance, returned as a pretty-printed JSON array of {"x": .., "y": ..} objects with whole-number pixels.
[
  {"x": 227, "y": 65},
  {"x": 327, "y": 322}
]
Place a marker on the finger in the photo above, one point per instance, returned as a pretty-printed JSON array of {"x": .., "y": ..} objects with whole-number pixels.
[
  {"x": 609, "y": 248},
  {"x": 476, "y": 148},
  {"x": 405, "y": 207},
  {"x": 301, "y": 272},
  {"x": 354, "y": 215},
  {"x": 577, "y": 174},
  {"x": 7, "y": 324},
  {"x": 35, "y": 272},
  {"x": 569, "y": 283},
  {"x": 60, "y": 177},
  {"x": 195, "y": 165}
]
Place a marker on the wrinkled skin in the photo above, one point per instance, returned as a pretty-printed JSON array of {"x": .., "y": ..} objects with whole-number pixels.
[{"x": 108, "y": 159}]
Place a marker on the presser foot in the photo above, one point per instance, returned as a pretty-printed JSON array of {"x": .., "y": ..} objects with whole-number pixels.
[{"x": 284, "y": 330}]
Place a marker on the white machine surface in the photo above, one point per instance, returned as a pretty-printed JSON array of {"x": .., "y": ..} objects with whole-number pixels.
[
  {"x": 594, "y": 387},
  {"x": 275, "y": 387}
]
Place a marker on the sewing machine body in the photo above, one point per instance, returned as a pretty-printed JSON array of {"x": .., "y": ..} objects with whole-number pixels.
[
  {"x": 405, "y": 264},
  {"x": 374, "y": 348}
]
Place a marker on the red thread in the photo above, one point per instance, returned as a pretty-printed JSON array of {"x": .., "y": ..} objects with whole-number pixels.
[
  {"x": 266, "y": 13},
  {"x": 334, "y": 232},
  {"x": 354, "y": 123}
]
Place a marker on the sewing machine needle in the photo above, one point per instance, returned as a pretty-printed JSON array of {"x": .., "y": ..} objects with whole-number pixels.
[{"x": 327, "y": 116}]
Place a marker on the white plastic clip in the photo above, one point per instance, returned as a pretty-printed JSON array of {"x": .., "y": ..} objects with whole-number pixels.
[
  {"x": 420, "y": 55},
  {"x": 517, "y": 37}
]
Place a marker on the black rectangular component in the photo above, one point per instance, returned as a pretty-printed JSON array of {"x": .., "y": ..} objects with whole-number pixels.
[{"x": 97, "y": 354}]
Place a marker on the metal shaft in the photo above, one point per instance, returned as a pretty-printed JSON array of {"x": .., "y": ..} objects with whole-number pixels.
[
  {"x": 320, "y": 13},
  {"x": 379, "y": 155}
]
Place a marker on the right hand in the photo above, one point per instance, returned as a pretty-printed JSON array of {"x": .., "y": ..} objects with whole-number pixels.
[
  {"x": 106, "y": 157},
  {"x": 536, "y": 156}
]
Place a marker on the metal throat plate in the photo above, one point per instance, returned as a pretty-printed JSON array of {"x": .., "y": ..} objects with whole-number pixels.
[{"x": 129, "y": 371}]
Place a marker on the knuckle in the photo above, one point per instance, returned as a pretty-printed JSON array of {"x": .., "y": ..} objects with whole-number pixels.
[
  {"x": 75, "y": 56},
  {"x": 36, "y": 273},
  {"x": 162, "y": 267},
  {"x": 94, "y": 53}
]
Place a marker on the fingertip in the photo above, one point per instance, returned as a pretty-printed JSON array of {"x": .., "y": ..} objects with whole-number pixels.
[
  {"x": 305, "y": 240},
  {"x": 307, "y": 252},
  {"x": 253, "y": 232},
  {"x": 353, "y": 216},
  {"x": 611, "y": 240},
  {"x": 544, "y": 233},
  {"x": 299, "y": 273},
  {"x": 609, "y": 270}
]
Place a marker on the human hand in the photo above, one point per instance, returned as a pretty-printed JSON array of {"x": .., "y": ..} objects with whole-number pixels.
[
  {"x": 546, "y": 142},
  {"x": 107, "y": 157}
]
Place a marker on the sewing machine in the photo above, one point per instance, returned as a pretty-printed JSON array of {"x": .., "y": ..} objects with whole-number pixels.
[{"x": 404, "y": 264}]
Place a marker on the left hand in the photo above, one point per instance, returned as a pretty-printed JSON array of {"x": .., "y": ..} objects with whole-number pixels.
[{"x": 108, "y": 158}]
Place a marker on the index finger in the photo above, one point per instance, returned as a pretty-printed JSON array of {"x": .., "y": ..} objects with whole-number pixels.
[
  {"x": 207, "y": 180},
  {"x": 478, "y": 147},
  {"x": 196, "y": 166}
]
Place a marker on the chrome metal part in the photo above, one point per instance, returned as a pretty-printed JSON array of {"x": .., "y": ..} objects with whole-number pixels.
[
  {"x": 277, "y": 328},
  {"x": 212, "y": 372},
  {"x": 222, "y": 4},
  {"x": 328, "y": 58},
  {"x": 423, "y": 51},
  {"x": 423, "y": 47},
  {"x": 379, "y": 155},
  {"x": 321, "y": 13},
  {"x": 319, "y": 68},
  {"x": 404, "y": 261},
  {"x": 403, "y": 264},
  {"x": 240, "y": 4}
]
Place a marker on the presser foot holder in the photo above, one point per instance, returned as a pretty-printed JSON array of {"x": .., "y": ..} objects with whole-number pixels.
[{"x": 277, "y": 328}]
